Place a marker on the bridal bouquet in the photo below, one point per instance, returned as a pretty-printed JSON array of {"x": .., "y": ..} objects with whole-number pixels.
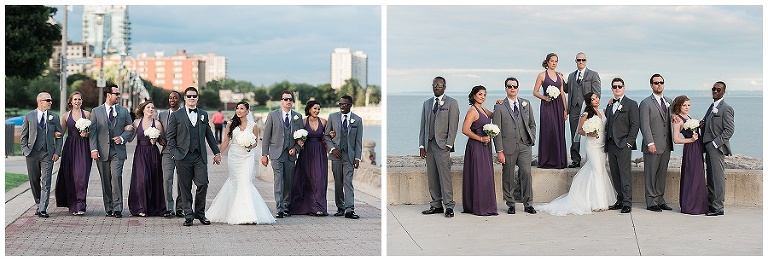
[
  {"x": 300, "y": 134},
  {"x": 692, "y": 124},
  {"x": 491, "y": 129},
  {"x": 152, "y": 133},
  {"x": 83, "y": 124},
  {"x": 246, "y": 140},
  {"x": 553, "y": 92},
  {"x": 591, "y": 125}
]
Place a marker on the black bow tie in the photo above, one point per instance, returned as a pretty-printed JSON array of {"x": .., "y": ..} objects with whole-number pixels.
[
  {"x": 616, "y": 100},
  {"x": 193, "y": 110}
]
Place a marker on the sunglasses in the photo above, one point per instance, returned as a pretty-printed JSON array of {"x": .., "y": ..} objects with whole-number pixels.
[
  {"x": 617, "y": 86},
  {"x": 345, "y": 104},
  {"x": 192, "y": 96},
  {"x": 512, "y": 86},
  {"x": 658, "y": 83},
  {"x": 47, "y": 100},
  {"x": 581, "y": 60},
  {"x": 439, "y": 85},
  {"x": 287, "y": 99},
  {"x": 714, "y": 89}
]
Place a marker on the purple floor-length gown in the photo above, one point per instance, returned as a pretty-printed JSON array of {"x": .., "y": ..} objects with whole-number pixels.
[
  {"x": 552, "y": 131},
  {"x": 310, "y": 180},
  {"x": 146, "y": 194},
  {"x": 693, "y": 188},
  {"x": 75, "y": 169},
  {"x": 478, "y": 190}
]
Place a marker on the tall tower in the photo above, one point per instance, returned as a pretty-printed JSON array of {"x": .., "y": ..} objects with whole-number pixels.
[
  {"x": 117, "y": 28},
  {"x": 346, "y": 64}
]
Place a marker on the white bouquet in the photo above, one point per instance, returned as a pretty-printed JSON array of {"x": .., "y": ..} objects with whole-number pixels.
[
  {"x": 491, "y": 129},
  {"x": 246, "y": 140},
  {"x": 692, "y": 124},
  {"x": 300, "y": 134},
  {"x": 591, "y": 125},
  {"x": 152, "y": 133},
  {"x": 83, "y": 124},
  {"x": 553, "y": 92}
]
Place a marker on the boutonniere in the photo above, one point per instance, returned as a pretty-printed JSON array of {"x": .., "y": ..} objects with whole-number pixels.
[
  {"x": 351, "y": 121},
  {"x": 295, "y": 117},
  {"x": 666, "y": 103},
  {"x": 202, "y": 117},
  {"x": 525, "y": 103},
  {"x": 114, "y": 113},
  {"x": 50, "y": 117},
  {"x": 714, "y": 110},
  {"x": 619, "y": 108},
  {"x": 441, "y": 102}
]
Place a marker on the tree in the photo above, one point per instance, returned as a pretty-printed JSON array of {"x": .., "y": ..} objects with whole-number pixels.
[
  {"x": 275, "y": 92},
  {"x": 29, "y": 39},
  {"x": 209, "y": 100},
  {"x": 375, "y": 94},
  {"x": 327, "y": 95},
  {"x": 87, "y": 87},
  {"x": 260, "y": 96},
  {"x": 352, "y": 88}
]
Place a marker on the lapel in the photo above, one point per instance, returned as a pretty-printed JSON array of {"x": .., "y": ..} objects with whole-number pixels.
[
  {"x": 658, "y": 105},
  {"x": 507, "y": 106}
]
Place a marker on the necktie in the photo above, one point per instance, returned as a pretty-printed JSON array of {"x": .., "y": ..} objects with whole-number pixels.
[
  {"x": 111, "y": 114},
  {"x": 42, "y": 121},
  {"x": 193, "y": 110},
  {"x": 616, "y": 100},
  {"x": 434, "y": 108},
  {"x": 663, "y": 105},
  {"x": 344, "y": 123},
  {"x": 579, "y": 78},
  {"x": 709, "y": 111},
  {"x": 287, "y": 123},
  {"x": 515, "y": 109}
]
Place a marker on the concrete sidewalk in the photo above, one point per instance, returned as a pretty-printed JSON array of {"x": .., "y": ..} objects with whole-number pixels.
[
  {"x": 96, "y": 235},
  {"x": 641, "y": 233}
]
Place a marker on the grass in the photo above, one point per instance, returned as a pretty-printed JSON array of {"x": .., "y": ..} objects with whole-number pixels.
[{"x": 13, "y": 180}]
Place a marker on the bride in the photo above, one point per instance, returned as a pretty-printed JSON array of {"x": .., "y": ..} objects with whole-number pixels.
[
  {"x": 591, "y": 189},
  {"x": 238, "y": 201}
]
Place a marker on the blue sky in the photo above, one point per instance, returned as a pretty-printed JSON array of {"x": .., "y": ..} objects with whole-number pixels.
[
  {"x": 263, "y": 44},
  {"x": 691, "y": 46}
]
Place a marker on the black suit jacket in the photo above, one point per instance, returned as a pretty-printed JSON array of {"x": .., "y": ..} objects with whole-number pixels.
[
  {"x": 624, "y": 124},
  {"x": 179, "y": 134}
]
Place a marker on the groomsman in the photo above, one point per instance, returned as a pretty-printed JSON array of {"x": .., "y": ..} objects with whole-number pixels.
[
  {"x": 437, "y": 134},
  {"x": 280, "y": 146},
  {"x": 513, "y": 145},
  {"x": 718, "y": 129},
  {"x": 345, "y": 151},
  {"x": 623, "y": 122},
  {"x": 169, "y": 166},
  {"x": 580, "y": 82},
  {"x": 41, "y": 145},
  {"x": 111, "y": 126},
  {"x": 657, "y": 144}
]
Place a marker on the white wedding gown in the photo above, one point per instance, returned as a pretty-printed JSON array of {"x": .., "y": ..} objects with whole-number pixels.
[
  {"x": 591, "y": 188},
  {"x": 238, "y": 201}
]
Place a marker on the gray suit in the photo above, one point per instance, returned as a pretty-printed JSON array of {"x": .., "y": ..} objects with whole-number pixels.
[
  {"x": 278, "y": 140},
  {"x": 518, "y": 135},
  {"x": 656, "y": 128},
  {"x": 111, "y": 156},
  {"x": 169, "y": 166},
  {"x": 187, "y": 145},
  {"x": 718, "y": 129},
  {"x": 351, "y": 147},
  {"x": 437, "y": 135},
  {"x": 38, "y": 145},
  {"x": 576, "y": 90},
  {"x": 621, "y": 135}
]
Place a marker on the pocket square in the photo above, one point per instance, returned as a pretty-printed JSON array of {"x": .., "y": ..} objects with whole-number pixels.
[
  {"x": 443, "y": 109},
  {"x": 353, "y": 126}
]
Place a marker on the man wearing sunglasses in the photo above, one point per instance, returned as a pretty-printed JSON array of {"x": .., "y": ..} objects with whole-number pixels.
[
  {"x": 110, "y": 129},
  {"x": 280, "y": 146},
  {"x": 580, "y": 82},
  {"x": 41, "y": 145},
  {"x": 345, "y": 151},
  {"x": 656, "y": 128},
  {"x": 622, "y": 123},
  {"x": 717, "y": 130}
]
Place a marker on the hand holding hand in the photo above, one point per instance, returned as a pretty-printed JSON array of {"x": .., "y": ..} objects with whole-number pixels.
[
  {"x": 55, "y": 157},
  {"x": 217, "y": 159},
  {"x": 95, "y": 155}
]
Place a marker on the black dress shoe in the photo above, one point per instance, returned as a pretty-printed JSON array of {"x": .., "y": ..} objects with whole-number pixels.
[
  {"x": 286, "y": 214},
  {"x": 351, "y": 215},
  {"x": 511, "y": 210},
  {"x": 37, "y": 213},
  {"x": 654, "y": 208},
  {"x": 530, "y": 210},
  {"x": 664, "y": 207},
  {"x": 118, "y": 214},
  {"x": 188, "y": 222},
  {"x": 449, "y": 212},
  {"x": 616, "y": 206},
  {"x": 110, "y": 214},
  {"x": 179, "y": 213},
  {"x": 574, "y": 165},
  {"x": 715, "y": 213},
  {"x": 338, "y": 213},
  {"x": 204, "y": 220},
  {"x": 432, "y": 210},
  {"x": 280, "y": 215},
  {"x": 626, "y": 209},
  {"x": 167, "y": 214},
  {"x": 43, "y": 214}
]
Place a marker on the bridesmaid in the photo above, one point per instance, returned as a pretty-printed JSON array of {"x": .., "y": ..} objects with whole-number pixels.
[
  {"x": 146, "y": 196},
  {"x": 552, "y": 116},
  {"x": 693, "y": 188},
  {"x": 75, "y": 169},
  {"x": 310, "y": 180},
  {"x": 478, "y": 191}
]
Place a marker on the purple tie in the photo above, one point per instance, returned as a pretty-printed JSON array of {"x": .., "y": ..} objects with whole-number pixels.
[
  {"x": 517, "y": 113},
  {"x": 434, "y": 108},
  {"x": 663, "y": 105},
  {"x": 287, "y": 123},
  {"x": 111, "y": 114},
  {"x": 42, "y": 121},
  {"x": 344, "y": 123}
]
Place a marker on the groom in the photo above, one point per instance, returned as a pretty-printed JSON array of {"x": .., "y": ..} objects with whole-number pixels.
[
  {"x": 717, "y": 131},
  {"x": 345, "y": 151},
  {"x": 188, "y": 130},
  {"x": 280, "y": 146},
  {"x": 621, "y": 127},
  {"x": 513, "y": 145},
  {"x": 38, "y": 133}
]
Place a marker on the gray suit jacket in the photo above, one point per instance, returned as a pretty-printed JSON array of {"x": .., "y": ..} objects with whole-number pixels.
[
  {"x": 623, "y": 124},
  {"x": 178, "y": 132},
  {"x": 503, "y": 117},
  {"x": 102, "y": 131},
  {"x": 446, "y": 122},
  {"x": 31, "y": 125},
  {"x": 273, "y": 134},
  {"x": 719, "y": 127},
  {"x": 655, "y": 125},
  {"x": 590, "y": 83},
  {"x": 354, "y": 135},
  {"x": 163, "y": 117}
]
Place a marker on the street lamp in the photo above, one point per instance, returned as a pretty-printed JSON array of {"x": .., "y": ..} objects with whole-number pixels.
[{"x": 101, "y": 82}]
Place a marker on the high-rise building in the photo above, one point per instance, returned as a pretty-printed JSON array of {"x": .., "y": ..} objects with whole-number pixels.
[
  {"x": 116, "y": 28},
  {"x": 346, "y": 64},
  {"x": 170, "y": 72},
  {"x": 74, "y": 51},
  {"x": 215, "y": 66}
]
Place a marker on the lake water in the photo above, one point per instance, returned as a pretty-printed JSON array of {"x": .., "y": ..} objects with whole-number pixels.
[{"x": 404, "y": 113}]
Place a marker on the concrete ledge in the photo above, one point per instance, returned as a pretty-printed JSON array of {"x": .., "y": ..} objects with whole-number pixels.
[
  {"x": 408, "y": 185},
  {"x": 367, "y": 178}
]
